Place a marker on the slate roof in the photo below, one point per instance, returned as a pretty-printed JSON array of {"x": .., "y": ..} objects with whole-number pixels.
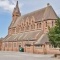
[
  {"x": 32, "y": 35},
  {"x": 39, "y": 15},
  {"x": 43, "y": 39}
]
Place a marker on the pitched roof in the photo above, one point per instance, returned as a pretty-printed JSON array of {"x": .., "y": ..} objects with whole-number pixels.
[
  {"x": 49, "y": 13},
  {"x": 39, "y": 15},
  {"x": 32, "y": 35},
  {"x": 10, "y": 38},
  {"x": 43, "y": 39}
]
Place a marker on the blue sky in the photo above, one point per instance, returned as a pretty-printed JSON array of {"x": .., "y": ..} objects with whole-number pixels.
[{"x": 26, "y": 6}]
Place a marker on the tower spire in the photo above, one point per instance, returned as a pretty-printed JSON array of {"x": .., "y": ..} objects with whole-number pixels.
[
  {"x": 16, "y": 12},
  {"x": 17, "y": 4}
]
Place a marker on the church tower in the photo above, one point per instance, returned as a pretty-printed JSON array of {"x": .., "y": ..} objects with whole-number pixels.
[{"x": 16, "y": 12}]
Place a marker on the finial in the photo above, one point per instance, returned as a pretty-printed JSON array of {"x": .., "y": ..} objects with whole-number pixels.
[
  {"x": 17, "y": 4},
  {"x": 48, "y": 4}
]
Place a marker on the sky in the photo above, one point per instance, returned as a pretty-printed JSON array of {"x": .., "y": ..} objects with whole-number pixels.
[{"x": 26, "y": 6}]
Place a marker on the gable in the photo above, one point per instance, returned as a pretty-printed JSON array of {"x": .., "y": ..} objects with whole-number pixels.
[{"x": 49, "y": 13}]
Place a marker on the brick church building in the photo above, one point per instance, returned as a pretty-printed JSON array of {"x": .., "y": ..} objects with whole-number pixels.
[{"x": 30, "y": 30}]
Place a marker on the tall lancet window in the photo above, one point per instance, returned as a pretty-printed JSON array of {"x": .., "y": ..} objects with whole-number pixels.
[
  {"x": 22, "y": 27},
  {"x": 52, "y": 23},
  {"x": 33, "y": 25},
  {"x": 27, "y": 27},
  {"x": 46, "y": 23},
  {"x": 19, "y": 28},
  {"x": 40, "y": 25},
  {"x": 37, "y": 25}
]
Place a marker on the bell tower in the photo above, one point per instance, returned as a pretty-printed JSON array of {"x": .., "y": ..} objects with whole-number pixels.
[{"x": 16, "y": 13}]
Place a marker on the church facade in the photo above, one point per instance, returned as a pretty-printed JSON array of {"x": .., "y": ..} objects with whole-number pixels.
[{"x": 30, "y": 30}]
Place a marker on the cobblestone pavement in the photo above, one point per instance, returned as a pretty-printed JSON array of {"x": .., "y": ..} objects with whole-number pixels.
[{"x": 4, "y": 55}]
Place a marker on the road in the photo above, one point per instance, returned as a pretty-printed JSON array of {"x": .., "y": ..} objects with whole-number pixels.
[{"x": 4, "y": 55}]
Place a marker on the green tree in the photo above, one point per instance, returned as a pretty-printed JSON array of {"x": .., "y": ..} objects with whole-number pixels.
[{"x": 54, "y": 34}]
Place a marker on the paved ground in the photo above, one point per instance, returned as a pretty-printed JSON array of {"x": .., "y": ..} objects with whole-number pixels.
[{"x": 24, "y": 56}]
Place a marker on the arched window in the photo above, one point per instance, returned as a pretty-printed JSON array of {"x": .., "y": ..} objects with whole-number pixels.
[
  {"x": 33, "y": 26},
  {"x": 37, "y": 25},
  {"x": 40, "y": 25},
  {"x": 46, "y": 23},
  {"x": 52, "y": 23},
  {"x": 27, "y": 23},
  {"x": 22, "y": 26},
  {"x": 27, "y": 26}
]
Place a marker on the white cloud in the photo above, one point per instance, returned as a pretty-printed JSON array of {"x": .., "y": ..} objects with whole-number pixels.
[{"x": 8, "y": 5}]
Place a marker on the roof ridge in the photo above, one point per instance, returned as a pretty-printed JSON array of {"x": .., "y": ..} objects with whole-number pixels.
[
  {"x": 37, "y": 15},
  {"x": 33, "y": 12}
]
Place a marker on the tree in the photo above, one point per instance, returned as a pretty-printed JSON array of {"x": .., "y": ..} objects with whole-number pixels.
[{"x": 54, "y": 34}]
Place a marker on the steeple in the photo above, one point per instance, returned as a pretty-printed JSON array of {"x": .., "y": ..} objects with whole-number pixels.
[
  {"x": 17, "y": 4},
  {"x": 16, "y": 12}
]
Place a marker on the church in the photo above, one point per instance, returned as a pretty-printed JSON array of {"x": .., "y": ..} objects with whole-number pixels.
[{"x": 29, "y": 31}]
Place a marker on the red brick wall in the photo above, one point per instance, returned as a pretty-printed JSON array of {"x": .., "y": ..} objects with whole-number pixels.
[{"x": 0, "y": 45}]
